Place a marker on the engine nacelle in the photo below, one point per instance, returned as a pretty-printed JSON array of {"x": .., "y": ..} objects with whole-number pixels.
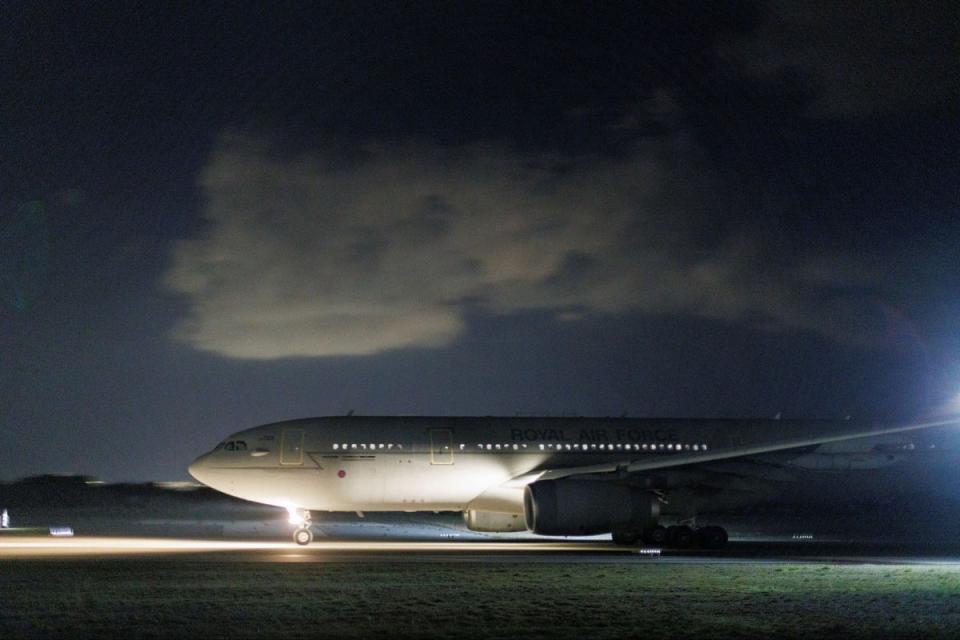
[
  {"x": 586, "y": 507},
  {"x": 493, "y": 521}
]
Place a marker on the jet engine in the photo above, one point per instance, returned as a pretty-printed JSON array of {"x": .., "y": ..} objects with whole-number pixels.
[
  {"x": 493, "y": 521},
  {"x": 587, "y": 507}
]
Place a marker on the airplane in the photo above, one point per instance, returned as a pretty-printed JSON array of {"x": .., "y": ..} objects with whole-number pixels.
[{"x": 549, "y": 476}]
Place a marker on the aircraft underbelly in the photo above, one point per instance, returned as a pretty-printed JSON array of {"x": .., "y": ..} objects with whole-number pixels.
[{"x": 410, "y": 483}]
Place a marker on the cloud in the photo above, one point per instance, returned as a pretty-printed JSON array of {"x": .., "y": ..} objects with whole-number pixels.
[
  {"x": 315, "y": 254},
  {"x": 858, "y": 58}
]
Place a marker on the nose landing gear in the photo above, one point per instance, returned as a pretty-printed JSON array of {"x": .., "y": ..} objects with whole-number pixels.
[{"x": 302, "y": 535}]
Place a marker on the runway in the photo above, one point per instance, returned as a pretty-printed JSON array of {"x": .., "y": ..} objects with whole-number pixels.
[{"x": 330, "y": 551}]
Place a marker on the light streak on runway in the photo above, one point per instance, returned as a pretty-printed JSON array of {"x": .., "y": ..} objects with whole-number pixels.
[
  {"x": 44, "y": 547},
  {"x": 364, "y": 551}
]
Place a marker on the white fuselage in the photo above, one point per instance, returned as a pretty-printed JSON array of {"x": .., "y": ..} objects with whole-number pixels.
[
  {"x": 393, "y": 463},
  {"x": 430, "y": 464}
]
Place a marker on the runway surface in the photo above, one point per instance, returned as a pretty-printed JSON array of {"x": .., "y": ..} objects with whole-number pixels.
[{"x": 327, "y": 551}]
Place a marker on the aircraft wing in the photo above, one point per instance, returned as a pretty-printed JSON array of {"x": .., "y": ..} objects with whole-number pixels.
[{"x": 787, "y": 435}]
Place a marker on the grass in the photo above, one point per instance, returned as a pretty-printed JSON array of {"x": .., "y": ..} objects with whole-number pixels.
[{"x": 472, "y": 600}]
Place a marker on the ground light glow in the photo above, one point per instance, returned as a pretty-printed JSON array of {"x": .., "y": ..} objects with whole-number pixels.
[
  {"x": 45, "y": 549},
  {"x": 37, "y": 547}
]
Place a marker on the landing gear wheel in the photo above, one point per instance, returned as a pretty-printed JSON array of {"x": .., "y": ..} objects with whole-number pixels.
[
  {"x": 712, "y": 537},
  {"x": 656, "y": 536},
  {"x": 680, "y": 537},
  {"x": 625, "y": 537},
  {"x": 303, "y": 537}
]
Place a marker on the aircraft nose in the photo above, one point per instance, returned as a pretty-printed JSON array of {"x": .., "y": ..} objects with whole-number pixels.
[{"x": 197, "y": 469}]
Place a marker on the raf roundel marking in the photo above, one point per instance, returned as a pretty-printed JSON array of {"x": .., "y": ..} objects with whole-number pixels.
[{"x": 341, "y": 474}]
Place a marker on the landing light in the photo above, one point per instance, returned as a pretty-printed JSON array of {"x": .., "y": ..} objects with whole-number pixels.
[{"x": 294, "y": 516}]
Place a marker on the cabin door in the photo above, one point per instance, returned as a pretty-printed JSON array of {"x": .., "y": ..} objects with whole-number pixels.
[
  {"x": 291, "y": 446},
  {"x": 441, "y": 446}
]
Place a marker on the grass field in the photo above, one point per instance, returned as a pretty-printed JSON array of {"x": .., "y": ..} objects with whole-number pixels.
[{"x": 113, "y": 598}]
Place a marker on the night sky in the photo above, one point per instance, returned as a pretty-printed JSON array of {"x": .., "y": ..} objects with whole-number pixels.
[{"x": 213, "y": 216}]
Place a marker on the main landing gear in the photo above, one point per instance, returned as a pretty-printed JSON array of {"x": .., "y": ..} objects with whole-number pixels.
[
  {"x": 676, "y": 537},
  {"x": 302, "y": 535}
]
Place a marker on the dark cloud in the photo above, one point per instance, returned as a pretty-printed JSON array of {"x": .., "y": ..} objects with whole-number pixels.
[
  {"x": 300, "y": 258},
  {"x": 24, "y": 254},
  {"x": 859, "y": 58}
]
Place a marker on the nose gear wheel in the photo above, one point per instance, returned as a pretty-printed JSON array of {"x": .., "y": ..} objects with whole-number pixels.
[{"x": 303, "y": 536}]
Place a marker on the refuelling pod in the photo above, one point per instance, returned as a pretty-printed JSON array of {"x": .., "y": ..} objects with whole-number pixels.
[
  {"x": 494, "y": 521},
  {"x": 587, "y": 507}
]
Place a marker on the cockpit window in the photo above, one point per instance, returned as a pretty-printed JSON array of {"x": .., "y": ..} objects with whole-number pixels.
[{"x": 235, "y": 445}]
